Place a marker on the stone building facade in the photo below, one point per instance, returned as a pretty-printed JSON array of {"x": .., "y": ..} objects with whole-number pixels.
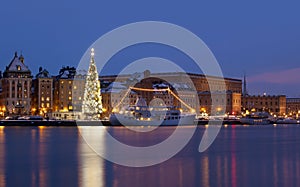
[
  {"x": 42, "y": 93},
  {"x": 275, "y": 104},
  {"x": 16, "y": 88},
  {"x": 293, "y": 106}
]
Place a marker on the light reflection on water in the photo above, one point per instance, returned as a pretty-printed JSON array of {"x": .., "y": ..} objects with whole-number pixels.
[{"x": 240, "y": 156}]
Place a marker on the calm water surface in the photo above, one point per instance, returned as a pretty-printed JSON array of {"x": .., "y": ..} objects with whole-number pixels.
[{"x": 240, "y": 156}]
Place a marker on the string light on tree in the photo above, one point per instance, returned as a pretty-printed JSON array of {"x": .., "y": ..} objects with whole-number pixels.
[{"x": 92, "y": 100}]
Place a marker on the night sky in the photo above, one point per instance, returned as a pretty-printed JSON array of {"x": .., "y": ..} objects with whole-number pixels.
[{"x": 259, "y": 38}]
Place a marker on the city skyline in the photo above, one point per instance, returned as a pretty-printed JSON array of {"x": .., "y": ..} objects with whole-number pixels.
[{"x": 257, "y": 38}]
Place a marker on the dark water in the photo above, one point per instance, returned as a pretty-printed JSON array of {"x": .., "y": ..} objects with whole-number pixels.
[{"x": 240, "y": 156}]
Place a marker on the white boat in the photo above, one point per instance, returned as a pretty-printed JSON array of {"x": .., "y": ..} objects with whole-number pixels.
[
  {"x": 287, "y": 121},
  {"x": 152, "y": 116},
  {"x": 257, "y": 118}
]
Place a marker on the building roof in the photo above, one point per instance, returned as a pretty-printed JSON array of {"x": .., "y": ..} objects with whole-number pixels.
[
  {"x": 17, "y": 65},
  {"x": 43, "y": 73},
  {"x": 66, "y": 73}
]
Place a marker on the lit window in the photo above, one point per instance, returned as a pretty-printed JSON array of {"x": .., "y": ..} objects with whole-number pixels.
[
  {"x": 70, "y": 98},
  {"x": 19, "y": 68},
  {"x": 42, "y": 99},
  {"x": 48, "y": 105},
  {"x": 70, "y": 92},
  {"x": 79, "y": 98},
  {"x": 47, "y": 99},
  {"x": 75, "y": 87}
]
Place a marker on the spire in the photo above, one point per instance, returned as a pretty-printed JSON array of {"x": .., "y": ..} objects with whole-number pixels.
[
  {"x": 21, "y": 58},
  {"x": 245, "y": 92}
]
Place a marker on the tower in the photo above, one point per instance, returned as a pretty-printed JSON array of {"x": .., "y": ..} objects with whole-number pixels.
[
  {"x": 245, "y": 92},
  {"x": 92, "y": 100}
]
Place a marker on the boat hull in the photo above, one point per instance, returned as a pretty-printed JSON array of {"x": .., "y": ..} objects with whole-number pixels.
[
  {"x": 119, "y": 119},
  {"x": 250, "y": 121}
]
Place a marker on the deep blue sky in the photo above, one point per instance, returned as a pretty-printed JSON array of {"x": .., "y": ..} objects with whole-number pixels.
[{"x": 261, "y": 38}]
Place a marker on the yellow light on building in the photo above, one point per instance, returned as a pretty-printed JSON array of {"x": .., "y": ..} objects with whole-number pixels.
[{"x": 203, "y": 110}]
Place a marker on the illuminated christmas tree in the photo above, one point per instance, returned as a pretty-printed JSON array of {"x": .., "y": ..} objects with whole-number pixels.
[{"x": 92, "y": 101}]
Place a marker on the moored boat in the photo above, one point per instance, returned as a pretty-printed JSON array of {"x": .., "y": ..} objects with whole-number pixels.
[
  {"x": 152, "y": 116},
  {"x": 287, "y": 121},
  {"x": 258, "y": 118}
]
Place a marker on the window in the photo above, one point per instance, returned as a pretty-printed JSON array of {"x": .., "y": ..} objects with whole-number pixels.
[
  {"x": 18, "y": 67},
  {"x": 42, "y": 98},
  {"x": 47, "y": 98}
]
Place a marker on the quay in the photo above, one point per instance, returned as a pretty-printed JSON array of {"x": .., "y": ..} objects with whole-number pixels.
[
  {"x": 52, "y": 123},
  {"x": 73, "y": 123}
]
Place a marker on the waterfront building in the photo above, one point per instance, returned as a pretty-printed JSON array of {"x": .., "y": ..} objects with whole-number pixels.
[
  {"x": 178, "y": 83},
  {"x": 293, "y": 107},
  {"x": 66, "y": 85},
  {"x": 275, "y": 104},
  {"x": 78, "y": 89},
  {"x": 16, "y": 84},
  {"x": 63, "y": 84},
  {"x": 112, "y": 96},
  {"x": 2, "y": 107},
  {"x": 42, "y": 93},
  {"x": 231, "y": 104}
]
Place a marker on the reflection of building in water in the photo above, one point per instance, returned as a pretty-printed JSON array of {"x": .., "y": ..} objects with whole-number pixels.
[{"x": 2, "y": 156}]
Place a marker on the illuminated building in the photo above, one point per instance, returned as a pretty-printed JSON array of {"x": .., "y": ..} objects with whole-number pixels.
[
  {"x": 112, "y": 96},
  {"x": 275, "y": 104},
  {"x": 42, "y": 96},
  {"x": 178, "y": 83},
  {"x": 63, "y": 89},
  {"x": 231, "y": 104},
  {"x": 16, "y": 84},
  {"x": 63, "y": 94},
  {"x": 293, "y": 107}
]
